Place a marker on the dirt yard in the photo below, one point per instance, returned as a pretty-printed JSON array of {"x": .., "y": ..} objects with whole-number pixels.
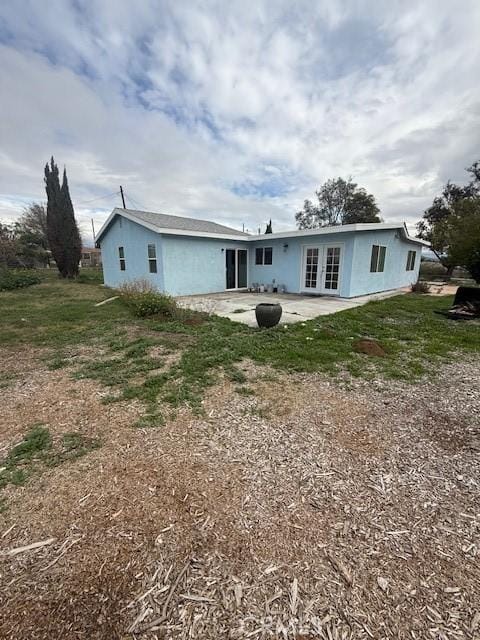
[{"x": 308, "y": 510}]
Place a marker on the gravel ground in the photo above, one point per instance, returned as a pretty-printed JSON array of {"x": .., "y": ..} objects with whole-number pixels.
[{"x": 312, "y": 509}]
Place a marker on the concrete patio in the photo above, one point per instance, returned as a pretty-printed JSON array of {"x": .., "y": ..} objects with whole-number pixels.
[{"x": 240, "y": 306}]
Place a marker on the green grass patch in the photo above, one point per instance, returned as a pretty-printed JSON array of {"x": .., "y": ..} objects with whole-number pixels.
[
  {"x": 38, "y": 451},
  {"x": 133, "y": 355},
  {"x": 245, "y": 391},
  {"x": 7, "y": 380},
  {"x": 57, "y": 313},
  {"x": 90, "y": 275}
]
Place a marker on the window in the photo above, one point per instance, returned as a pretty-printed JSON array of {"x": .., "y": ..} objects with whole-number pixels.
[
  {"x": 152, "y": 258},
  {"x": 263, "y": 255},
  {"x": 121, "y": 255},
  {"x": 411, "y": 260},
  {"x": 377, "y": 261}
]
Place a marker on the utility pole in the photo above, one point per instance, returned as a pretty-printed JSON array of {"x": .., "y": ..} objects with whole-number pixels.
[
  {"x": 123, "y": 197},
  {"x": 93, "y": 231}
]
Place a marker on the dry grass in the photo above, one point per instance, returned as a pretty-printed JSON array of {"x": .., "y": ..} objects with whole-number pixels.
[{"x": 307, "y": 510}]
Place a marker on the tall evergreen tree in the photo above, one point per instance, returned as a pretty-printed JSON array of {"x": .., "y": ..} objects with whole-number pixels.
[
  {"x": 269, "y": 227},
  {"x": 63, "y": 234}
]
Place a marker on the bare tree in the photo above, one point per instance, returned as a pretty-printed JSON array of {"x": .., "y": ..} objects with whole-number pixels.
[{"x": 33, "y": 222}]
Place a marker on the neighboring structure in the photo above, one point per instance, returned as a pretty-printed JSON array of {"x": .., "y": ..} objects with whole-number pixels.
[
  {"x": 185, "y": 256},
  {"x": 91, "y": 257}
]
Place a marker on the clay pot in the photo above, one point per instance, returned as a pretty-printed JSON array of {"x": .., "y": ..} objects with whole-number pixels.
[{"x": 268, "y": 314}]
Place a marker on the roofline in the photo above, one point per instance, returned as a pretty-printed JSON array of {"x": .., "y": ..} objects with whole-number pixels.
[
  {"x": 344, "y": 228},
  {"x": 165, "y": 230},
  {"x": 298, "y": 233}
]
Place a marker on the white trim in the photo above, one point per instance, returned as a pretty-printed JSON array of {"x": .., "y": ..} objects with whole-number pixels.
[
  {"x": 236, "y": 249},
  {"x": 321, "y": 290},
  {"x": 299, "y": 233}
]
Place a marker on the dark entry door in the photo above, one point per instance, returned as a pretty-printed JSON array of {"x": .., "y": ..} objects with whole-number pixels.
[{"x": 231, "y": 268}]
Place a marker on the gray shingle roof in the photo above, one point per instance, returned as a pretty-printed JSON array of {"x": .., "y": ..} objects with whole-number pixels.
[{"x": 164, "y": 221}]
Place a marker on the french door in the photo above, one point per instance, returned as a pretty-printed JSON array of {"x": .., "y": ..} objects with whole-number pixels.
[
  {"x": 236, "y": 268},
  {"x": 321, "y": 269}
]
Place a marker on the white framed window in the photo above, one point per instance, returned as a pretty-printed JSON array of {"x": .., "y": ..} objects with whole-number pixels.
[
  {"x": 264, "y": 255},
  {"x": 411, "y": 260},
  {"x": 121, "y": 257},
  {"x": 152, "y": 258},
  {"x": 377, "y": 261}
]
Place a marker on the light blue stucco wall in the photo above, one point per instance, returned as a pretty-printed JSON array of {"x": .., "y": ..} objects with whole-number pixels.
[
  {"x": 134, "y": 239},
  {"x": 395, "y": 274},
  {"x": 287, "y": 262},
  {"x": 195, "y": 265}
]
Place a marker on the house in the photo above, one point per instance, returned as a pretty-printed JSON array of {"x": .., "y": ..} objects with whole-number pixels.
[
  {"x": 91, "y": 257},
  {"x": 186, "y": 256}
]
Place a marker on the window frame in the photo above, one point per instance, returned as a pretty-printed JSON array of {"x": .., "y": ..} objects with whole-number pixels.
[
  {"x": 377, "y": 258},
  {"x": 152, "y": 259},
  {"x": 261, "y": 254},
  {"x": 121, "y": 258},
  {"x": 411, "y": 259}
]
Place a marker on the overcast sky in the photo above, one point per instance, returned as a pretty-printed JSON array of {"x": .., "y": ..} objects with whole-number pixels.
[{"x": 237, "y": 111}]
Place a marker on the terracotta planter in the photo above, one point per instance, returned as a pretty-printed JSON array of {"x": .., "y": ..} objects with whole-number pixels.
[{"x": 268, "y": 314}]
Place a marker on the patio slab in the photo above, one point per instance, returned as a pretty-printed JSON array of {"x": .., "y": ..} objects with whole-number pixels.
[{"x": 240, "y": 306}]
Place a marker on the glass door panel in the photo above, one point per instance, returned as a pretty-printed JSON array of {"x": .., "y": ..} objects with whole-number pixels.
[
  {"x": 242, "y": 268},
  {"x": 230, "y": 258},
  {"x": 311, "y": 268},
  {"x": 332, "y": 268}
]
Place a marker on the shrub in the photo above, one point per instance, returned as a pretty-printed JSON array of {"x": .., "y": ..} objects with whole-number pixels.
[
  {"x": 17, "y": 278},
  {"x": 420, "y": 287},
  {"x": 145, "y": 300}
]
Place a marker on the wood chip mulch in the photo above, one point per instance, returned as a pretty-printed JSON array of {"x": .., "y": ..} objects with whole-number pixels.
[{"x": 314, "y": 509}]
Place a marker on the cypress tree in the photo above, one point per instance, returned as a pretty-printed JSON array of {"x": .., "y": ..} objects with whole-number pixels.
[{"x": 62, "y": 231}]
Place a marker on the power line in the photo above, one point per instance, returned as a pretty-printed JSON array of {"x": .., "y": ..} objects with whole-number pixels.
[
  {"x": 108, "y": 195},
  {"x": 135, "y": 203}
]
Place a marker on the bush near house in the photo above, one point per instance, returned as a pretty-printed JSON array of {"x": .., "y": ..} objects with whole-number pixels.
[
  {"x": 11, "y": 279},
  {"x": 420, "y": 287},
  {"x": 144, "y": 300}
]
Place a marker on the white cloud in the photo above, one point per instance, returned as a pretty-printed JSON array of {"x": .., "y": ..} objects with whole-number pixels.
[{"x": 237, "y": 112}]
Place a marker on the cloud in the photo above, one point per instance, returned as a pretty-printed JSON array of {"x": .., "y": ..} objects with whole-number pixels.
[{"x": 236, "y": 112}]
